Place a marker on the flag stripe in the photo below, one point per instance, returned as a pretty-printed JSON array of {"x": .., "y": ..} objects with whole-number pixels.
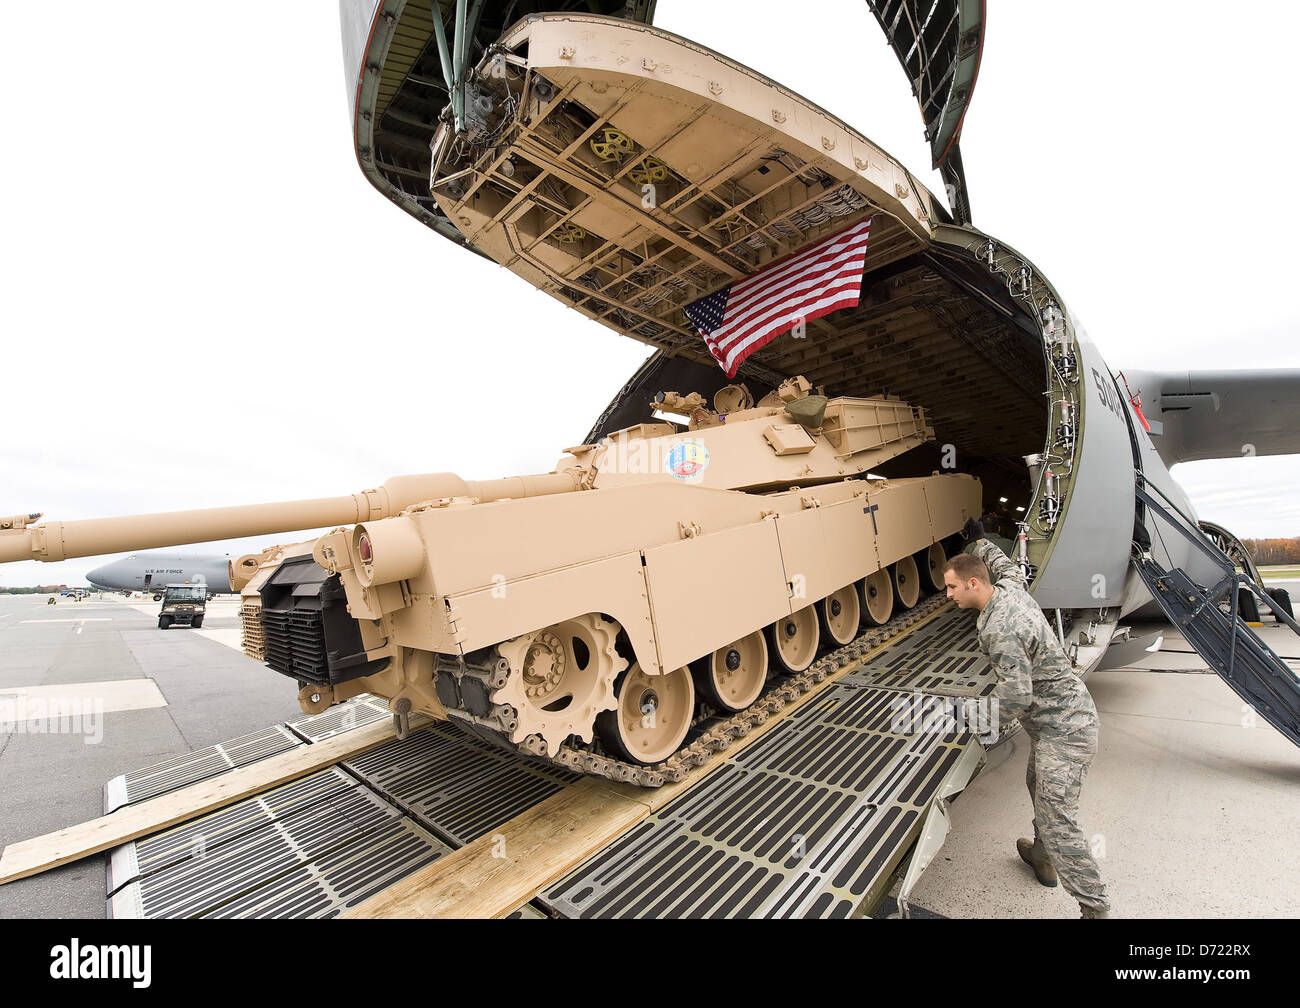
[
  {"x": 749, "y": 313},
  {"x": 781, "y": 268},
  {"x": 784, "y": 321},
  {"x": 759, "y": 340},
  {"x": 744, "y": 307},
  {"x": 779, "y": 304}
]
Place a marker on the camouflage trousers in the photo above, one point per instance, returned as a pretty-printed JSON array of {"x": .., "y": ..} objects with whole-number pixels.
[{"x": 1057, "y": 767}]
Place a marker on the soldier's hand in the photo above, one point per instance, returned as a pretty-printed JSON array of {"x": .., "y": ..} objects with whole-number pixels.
[{"x": 972, "y": 530}]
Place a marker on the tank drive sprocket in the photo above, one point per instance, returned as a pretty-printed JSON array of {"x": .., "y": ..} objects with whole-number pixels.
[{"x": 560, "y": 678}]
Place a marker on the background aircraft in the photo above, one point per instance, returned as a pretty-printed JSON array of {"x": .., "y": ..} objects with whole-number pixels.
[{"x": 151, "y": 571}]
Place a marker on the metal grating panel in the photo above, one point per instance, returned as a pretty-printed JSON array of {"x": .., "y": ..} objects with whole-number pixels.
[
  {"x": 951, "y": 630},
  {"x": 528, "y": 912},
  {"x": 191, "y": 767},
  {"x": 459, "y": 787},
  {"x": 807, "y": 822},
  {"x": 202, "y": 764},
  {"x": 942, "y": 657},
  {"x": 317, "y": 845},
  {"x": 355, "y": 713},
  {"x": 310, "y": 848}
]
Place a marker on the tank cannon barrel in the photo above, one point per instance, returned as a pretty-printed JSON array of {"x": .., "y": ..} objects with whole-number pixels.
[{"x": 54, "y": 541}]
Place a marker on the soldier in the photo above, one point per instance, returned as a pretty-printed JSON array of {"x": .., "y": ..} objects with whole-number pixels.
[{"x": 1038, "y": 686}]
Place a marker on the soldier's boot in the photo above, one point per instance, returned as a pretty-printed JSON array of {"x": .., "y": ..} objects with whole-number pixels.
[
  {"x": 1092, "y": 913},
  {"x": 1034, "y": 854}
]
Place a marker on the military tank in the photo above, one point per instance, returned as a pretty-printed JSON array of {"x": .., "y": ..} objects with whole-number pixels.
[{"x": 592, "y": 615}]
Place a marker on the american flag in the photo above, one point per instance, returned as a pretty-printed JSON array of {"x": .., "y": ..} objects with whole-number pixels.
[{"x": 748, "y": 314}]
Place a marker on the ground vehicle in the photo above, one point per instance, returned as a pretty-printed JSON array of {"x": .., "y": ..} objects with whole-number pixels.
[
  {"x": 183, "y": 603},
  {"x": 668, "y": 566}
]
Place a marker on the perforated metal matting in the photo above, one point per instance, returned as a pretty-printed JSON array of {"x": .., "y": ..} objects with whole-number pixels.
[
  {"x": 314, "y": 847},
  {"x": 342, "y": 717},
  {"x": 943, "y": 657},
  {"x": 202, "y": 764},
  {"x": 809, "y": 821},
  {"x": 310, "y": 848},
  {"x": 180, "y": 771},
  {"x": 458, "y": 786}
]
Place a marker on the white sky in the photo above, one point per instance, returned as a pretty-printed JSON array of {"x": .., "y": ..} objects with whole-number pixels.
[{"x": 198, "y": 300}]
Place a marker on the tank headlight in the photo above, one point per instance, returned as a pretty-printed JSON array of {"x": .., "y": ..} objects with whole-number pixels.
[{"x": 388, "y": 550}]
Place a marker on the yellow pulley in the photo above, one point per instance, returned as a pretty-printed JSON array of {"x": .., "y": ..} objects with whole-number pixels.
[
  {"x": 611, "y": 144},
  {"x": 733, "y": 225},
  {"x": 649, "y": 172},
  {"x": 568, "y": 233}
]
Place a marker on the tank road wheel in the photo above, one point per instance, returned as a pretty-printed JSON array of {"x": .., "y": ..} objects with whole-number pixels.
[
  {"x": 931, "y": 563},
  {"x": 907, "y": 582},
  {"x": 653, "y": 715},
  {"x": 877, "y": 594},
  {"x": 732, "y": 677},
  {"x": 794, "y": 640},
  {"x": 840, "y": 615},
  {"x": 560, "y": 678}
]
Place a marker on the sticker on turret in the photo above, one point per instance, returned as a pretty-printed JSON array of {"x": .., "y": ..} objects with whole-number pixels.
[{"x": 687, "y": 460}]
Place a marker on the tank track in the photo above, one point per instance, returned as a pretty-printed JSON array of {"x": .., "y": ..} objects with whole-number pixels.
[{"x": 719, "y": 732}]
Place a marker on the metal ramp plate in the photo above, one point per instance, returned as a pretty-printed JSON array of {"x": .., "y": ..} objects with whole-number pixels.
[
  {"x": 310, "y": 848},
  {"x": 202, "y": 764},
  {"x": 316, "y": 846},
  {"x": 342, "y": 717},
  {"x": 456, "y": 785},
  {"x": 943, "y": 657},
  {"x": 809, "y": 821},
  {"x": 181, "y": 771}
]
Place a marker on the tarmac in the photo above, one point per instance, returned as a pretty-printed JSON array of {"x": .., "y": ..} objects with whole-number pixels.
[
  {"x": 1190, "y": 804},
  {"x": 1191, "y": 808},
  {"x": 162, "y": 693}
]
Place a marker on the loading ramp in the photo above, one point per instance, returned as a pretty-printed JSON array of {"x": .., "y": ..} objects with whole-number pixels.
[{"x": 410, "y": 826}]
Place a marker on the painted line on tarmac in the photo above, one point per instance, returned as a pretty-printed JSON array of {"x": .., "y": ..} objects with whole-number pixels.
[
  {"x": 231, "y": 637},
  {"x": 59, "y": 698},
  {"x": 74, "y": 619}
]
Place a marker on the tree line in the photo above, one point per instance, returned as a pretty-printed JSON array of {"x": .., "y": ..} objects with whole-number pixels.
[{"x": 1273, "y": 551}]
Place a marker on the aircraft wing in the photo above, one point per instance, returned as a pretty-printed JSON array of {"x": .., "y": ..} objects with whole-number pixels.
[{"x": 1197, "y": 415}]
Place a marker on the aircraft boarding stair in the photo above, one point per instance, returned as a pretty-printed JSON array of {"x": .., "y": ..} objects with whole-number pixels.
[{"x": 1224, "y": 639}]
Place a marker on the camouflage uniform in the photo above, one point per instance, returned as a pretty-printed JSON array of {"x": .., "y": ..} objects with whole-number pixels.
[{"x": 1038, "y": 686}]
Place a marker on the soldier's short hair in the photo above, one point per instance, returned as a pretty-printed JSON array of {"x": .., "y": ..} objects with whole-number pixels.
[{"x": 966, "y": 566}]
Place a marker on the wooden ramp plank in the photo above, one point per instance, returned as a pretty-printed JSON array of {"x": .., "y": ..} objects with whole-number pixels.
[
  {"x": 492, "y": 875},
  {"x": 31, "y": 857}
]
